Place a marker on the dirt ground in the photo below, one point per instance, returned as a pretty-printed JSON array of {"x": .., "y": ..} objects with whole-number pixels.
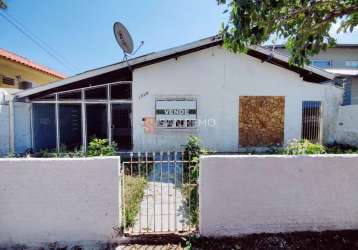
[{"x": 333, "y": 240}]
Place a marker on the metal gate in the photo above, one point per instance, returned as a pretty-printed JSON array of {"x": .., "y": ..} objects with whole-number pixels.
[
  {"x": 159, "y": 193},
  {"x": 311, "y": 121}
]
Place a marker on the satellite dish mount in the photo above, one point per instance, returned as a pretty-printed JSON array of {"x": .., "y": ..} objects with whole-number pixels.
[{"x": 124, "y": 40}]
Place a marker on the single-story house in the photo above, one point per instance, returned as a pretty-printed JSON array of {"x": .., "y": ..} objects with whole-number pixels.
[{"x": 154, "y": 102}]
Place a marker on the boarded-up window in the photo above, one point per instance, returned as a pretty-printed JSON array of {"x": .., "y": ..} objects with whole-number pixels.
[
  {"x": 311, "y": 120},
  {"x": 262, "y": 120}
]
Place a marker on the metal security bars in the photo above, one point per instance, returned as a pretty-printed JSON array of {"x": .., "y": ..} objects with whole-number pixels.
[
  {"x": 311, "y": 121},
  {"x": 159, "y": 193},
  {"x": 104, "y": 94}
]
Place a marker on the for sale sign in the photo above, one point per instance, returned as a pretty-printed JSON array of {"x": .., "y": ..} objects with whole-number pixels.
[{"x": 176, "y": 113}]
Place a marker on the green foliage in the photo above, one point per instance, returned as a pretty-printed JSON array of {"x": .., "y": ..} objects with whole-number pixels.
[
  {"x": 133, "y": 194},
  {"x": 304, "y": 147},
  {"x": 2, "y": 4},
  {"x": 341, "y": 149},
  {"x": 96, "y": 147},
  {"x": 63, "y": 153},
  {"x": 101, "y": 147},
  {"x": 193, "y": 150},
  {"x": 305, "y": 24}
]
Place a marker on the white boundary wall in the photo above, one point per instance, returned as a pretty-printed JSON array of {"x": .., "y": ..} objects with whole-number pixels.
[
  {"x": 254, "y": 194},
  {"x": 47, "y": 200},
  {"x": 347, "y": 125}
]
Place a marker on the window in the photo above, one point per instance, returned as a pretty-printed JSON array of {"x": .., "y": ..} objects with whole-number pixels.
[
  {"x": 352, "y": 63},
  {"x": 96, "y": 93},
  {"x": 96, "y": 116},
  {"x": 7, "y": 80},
  {"x": 25, "y": 85},
  {"x": 71, "y": 95},
  {"x": 311, "y": 121},
  {"x": 321, "y": 63},
  {"x": 44, "y": 126},
  {"x": 70, "y": 126},
  {"x": 121, "y": 91},
  {"x": 122, "y": 125}
]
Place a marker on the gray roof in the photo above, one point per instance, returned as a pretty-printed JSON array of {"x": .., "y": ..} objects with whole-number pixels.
[{"x": 165, "y": 55}]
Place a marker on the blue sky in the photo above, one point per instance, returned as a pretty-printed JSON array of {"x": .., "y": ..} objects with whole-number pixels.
[{"x": 81, "y": 30}]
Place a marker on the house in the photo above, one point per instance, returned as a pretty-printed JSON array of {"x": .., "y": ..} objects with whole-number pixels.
[
  {"x": 18, "y": 73},
  {"x": 21, "y": 73},
  {"x": 341, "y": 60},
  {"x": 154, "y": 102}
]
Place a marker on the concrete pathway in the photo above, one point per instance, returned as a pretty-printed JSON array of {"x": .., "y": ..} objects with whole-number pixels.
[{"x": 163, "y": 207}]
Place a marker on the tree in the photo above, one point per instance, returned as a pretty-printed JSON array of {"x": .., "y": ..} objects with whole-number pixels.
[
  {"x": 304, "y": 24},
  {"x": 2, "y": 4}
]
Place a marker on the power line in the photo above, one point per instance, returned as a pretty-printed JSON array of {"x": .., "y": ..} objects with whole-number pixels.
[
  {"x": 44, "y": 43},
  {"x": 37, "y": 41}
]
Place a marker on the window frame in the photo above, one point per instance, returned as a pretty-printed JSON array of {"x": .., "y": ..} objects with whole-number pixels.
[
  {"x": 350, "y": 66},
  {"x": 320, "y": 61}
]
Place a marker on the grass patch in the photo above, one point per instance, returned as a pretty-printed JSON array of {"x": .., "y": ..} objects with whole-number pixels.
[{"x": 133, "y": 195}]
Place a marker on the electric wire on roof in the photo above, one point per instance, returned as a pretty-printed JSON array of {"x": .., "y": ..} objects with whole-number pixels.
[{"x": 39, "y": 42}]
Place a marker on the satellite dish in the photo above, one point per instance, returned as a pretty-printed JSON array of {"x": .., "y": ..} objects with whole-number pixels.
[{"x": 123, "y": 37}]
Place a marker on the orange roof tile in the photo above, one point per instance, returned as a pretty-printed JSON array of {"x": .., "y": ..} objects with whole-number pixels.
[{"x": 24, "y": 61}]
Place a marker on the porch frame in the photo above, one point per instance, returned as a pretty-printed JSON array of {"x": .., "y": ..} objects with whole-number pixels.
[{"x": 83, "y": 102}]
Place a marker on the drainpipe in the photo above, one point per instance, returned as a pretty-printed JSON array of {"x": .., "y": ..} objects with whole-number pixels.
[{"x": 11, "y": 126}]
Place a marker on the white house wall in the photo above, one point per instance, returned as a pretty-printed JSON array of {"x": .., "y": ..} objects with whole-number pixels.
[
  {"x": 347, "y": 129},
  {"x": 22, "y": 126},
  {"x": 4, "y": 129},
  {"x": 217, "y": 78}
]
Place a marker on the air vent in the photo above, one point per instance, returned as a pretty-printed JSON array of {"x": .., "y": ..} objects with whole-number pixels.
[
  {"x": 7, "y": 80},
  {"x": 25, "y": 85}
]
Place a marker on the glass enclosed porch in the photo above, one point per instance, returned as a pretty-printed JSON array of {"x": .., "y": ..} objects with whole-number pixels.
[{"x": 68, "y": 120}]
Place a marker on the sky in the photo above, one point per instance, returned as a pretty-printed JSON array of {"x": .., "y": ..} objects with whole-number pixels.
[{"x": 80, "y": 32}]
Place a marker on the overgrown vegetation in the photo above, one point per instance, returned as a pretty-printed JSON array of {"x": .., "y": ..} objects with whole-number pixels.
[
  {"x": 193, "y": 150},
  {"x": 96, "y": 147},
  {"x": 62, "y": 153},
  {"x": 134, "y": 191},
  {"x": 101, "y": 147},
  {"x": 341, "y": 149},
  {"x": 304, "y": 147},
  {"x": 304, "y": 25}
]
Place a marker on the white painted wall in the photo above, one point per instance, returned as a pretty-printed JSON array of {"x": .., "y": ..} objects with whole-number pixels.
[
  {"x": 254, "y": 194},
  {"x": 217, "y": 78},
  {"x": 22, "y": 125},
  {"x": 22, "y": 128},
  {"x": 347, "y": 125},
  {"x": 48, "y": 200},
  {"x": 4, "y": 129}
]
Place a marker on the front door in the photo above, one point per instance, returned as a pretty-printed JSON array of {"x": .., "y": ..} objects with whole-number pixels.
[{"x": 122, "y": 125}]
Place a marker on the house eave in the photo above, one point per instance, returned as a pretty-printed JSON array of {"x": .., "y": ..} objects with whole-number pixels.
[{"x": 142, "y": 61}]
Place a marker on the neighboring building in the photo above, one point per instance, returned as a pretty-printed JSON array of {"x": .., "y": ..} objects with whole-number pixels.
[
  {"x": 341, "y": 60},
  {"x": 19, "y": 72},
  {"x": 231, "y": 101}
]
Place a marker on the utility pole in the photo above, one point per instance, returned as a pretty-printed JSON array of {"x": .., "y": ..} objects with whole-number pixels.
[{"x": 2, "y": 4}]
